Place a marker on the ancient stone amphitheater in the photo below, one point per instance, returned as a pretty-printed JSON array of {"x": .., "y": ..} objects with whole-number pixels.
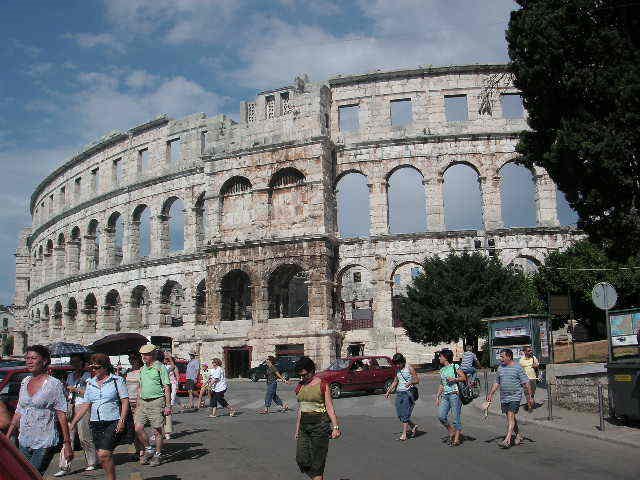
[{"x": 260, "y": 266}]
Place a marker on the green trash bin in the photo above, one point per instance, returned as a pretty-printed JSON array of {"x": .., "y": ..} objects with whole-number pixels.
[{"x": 624, "y": 388}]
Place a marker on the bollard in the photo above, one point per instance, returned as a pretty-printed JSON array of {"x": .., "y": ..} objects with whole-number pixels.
[
  {"x": 549, "y": 403},
  {"x": 601, "y": 407}
]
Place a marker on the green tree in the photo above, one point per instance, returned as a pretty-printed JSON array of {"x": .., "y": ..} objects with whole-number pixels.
[
  {"x": 577, "y": 63},
  {"x": 447, "y": 302},
  {"x": 575, "y": 272}
]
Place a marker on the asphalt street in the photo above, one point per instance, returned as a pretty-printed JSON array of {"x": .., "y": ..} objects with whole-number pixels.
[{"x": 262, "y": 446}]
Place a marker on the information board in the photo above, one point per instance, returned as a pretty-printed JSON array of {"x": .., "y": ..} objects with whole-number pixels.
[{"x": 624, "y": 328}]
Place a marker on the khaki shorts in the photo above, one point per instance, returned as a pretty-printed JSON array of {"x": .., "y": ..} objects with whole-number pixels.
[{"x": 150, "y": 413}]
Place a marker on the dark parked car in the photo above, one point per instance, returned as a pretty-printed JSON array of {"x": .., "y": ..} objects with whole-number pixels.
[
  {"x": 11, "y": 378},
  {"x": 181, "y": 365},
  {"x": 359, "y": 374},
  {"x": 286, "y": 365}
]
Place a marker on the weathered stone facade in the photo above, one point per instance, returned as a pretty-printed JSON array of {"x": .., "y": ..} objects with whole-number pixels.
[{"x": 263, "y": 267}]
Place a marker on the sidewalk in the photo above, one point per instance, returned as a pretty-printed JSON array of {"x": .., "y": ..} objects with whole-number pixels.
[{"x": 565, "y": 420}]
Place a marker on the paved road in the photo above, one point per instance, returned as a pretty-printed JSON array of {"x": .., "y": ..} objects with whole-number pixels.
[{"x": 262, "y": 446}]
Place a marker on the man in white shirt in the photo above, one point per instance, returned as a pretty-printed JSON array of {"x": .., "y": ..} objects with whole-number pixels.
[{"x": 75, "y": 385}]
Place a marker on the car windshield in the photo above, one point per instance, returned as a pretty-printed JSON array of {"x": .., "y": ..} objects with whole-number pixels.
[{"x": 339, "y": 364}]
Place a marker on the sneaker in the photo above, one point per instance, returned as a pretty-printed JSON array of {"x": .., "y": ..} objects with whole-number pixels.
[
  {"x": 90, "y": 468},
  {"x": 167, "y": 436},
  {"x": 145, "y": 456},
  {"x": 155, "y": 461},
  {"x": 60, "y": 473}
]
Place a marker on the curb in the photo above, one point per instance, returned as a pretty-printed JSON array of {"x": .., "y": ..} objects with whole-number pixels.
[{"x": 565, "y": 429}]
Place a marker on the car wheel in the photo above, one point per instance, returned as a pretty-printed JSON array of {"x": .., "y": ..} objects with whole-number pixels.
[
  {"x": 336, "y": 390},
  {"x": 254, "y": 377},
  {"x": 387, "y": 385},
  {"x": 285, "y": 375}
]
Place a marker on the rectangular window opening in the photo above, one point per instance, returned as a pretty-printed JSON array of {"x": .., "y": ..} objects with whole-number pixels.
[
  {"x": 77, "y": 187},
  {"x": 357, "y": 277},
  {"x": 143, "y": 161},
  {"x": 51, "y": 203},
  {"x": 203, "y": 141},
  {"x": 117, "y": 172},
  {"x": 63, "y": 196},
  {"x": 512, "y": 106},
  {"x": 95, "y": 180},
  {"x": 348, "y": 118},
  {"x": 174, "y": 150},
  {"x": 270, "y": 107},
  {"x": 401, "y": 113},
  {"x": 456, "y": 109},
  {"x": 286, "y": 103}
]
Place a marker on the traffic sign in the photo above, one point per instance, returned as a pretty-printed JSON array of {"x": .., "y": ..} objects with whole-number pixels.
[{"x": 604, "y": 296}]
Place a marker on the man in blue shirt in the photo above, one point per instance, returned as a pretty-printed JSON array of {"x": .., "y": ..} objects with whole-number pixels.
[
  {"x": 511, "y": 380},
  {"x": 193, "y": 370}
]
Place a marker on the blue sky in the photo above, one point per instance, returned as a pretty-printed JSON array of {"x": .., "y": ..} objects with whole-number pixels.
[{"x": 75, "y": 70}]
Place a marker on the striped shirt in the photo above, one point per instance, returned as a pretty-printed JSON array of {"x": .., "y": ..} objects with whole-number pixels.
[{"x": 511, "y": 379}]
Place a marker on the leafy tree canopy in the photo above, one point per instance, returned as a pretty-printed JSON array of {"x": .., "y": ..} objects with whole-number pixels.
[
  {"x": 575, "y": 272},
  {"x": 447, "y": 302},
  {"x": 577, "y": 63}
]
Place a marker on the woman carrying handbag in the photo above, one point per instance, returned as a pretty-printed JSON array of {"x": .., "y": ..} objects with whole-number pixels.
[{"x": 406, "y": 394}]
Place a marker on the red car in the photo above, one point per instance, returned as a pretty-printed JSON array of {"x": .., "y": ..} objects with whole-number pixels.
[
  {"x": 359, "y": 374},
  {"x": 181, "y": 365},
  {"x": 11, "y": 378}
]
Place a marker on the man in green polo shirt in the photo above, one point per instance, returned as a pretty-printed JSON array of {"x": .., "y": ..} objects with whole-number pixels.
[{"x": 154, "y": 402}]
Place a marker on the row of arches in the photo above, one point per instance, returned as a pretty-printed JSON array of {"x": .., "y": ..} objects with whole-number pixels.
[
  {"x": 287, "y": 291},
  {"x": 408, "y": 203},
  {"x": 121, "y": 238}
]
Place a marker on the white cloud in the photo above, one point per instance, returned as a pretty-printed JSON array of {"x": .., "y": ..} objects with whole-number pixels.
[
  {"x": 203, "y": 21},
  {"x": 104, "y": 103},
  {"x": 140, "y": 79},
  {"x": 92, "y": 40},
  {"x": 38, "y": 69}
]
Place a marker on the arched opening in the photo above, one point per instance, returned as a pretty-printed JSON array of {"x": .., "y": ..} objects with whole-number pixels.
[
  {"x": 201, "y": 303},
  {"x": 49, "y": 263},
  {"x": 140, "y": 301},
  {"x": 114, "y": 236},
  {"x": 60, "y": 256},
  {"x": 518, "y": 196},
  {"x": 93, "y": 246},
  {"x": 527, "y": 265},
  {"x": 352, "y": 198},
  {"x": 71, "y": 316},
  {"x": 356, "y": 298},
  {"x": 172, "y": 225},
  {"x": 140, "y": 233},
  {"x": 235, "y": 293},
  {"x": 90, "y": 310},
  {"x": 112, "y": 305},
  {"x": 56, "y": 318},
  {"x": 288, "y": 292},
  {"x": 73, "y": 251},
  {"x": 403, "y": 276},
  {"x": 44, "y": 321},
  {"x": 199, "y": 212},
  {"x": 462, "y": 198},
  {"x": 171, "y": 298},
  {"x": 407, "y": 204},
  {"x": 567, "y": 216},
  {"x": 288, "y": 198},
  {"x": 236, "y": 209}
]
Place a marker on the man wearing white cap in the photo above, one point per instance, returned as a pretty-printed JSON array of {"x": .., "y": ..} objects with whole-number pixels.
[{"x": 154, "y": 402}]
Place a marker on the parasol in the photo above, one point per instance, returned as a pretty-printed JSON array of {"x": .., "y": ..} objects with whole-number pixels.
[
  {"x": 119, "y": 343},
  {"x": 66, "y": 349}
]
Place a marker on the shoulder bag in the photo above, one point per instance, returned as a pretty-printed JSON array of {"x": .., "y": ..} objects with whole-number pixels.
[
  {"x": 127, "y": 435},
  {"x": 413, "y": 390},
  {"x": 466, "y": 397}
]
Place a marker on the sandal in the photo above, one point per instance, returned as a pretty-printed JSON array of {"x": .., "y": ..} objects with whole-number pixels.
[
  {"x": 519, "y": 439},
  {"x": 233, "y": 414},
  {"x": 414, "y": 430},
  {"x": 261, "y": 412},
  {"x": 400, "y": 439},
  {"x": 504, "y": 446}
]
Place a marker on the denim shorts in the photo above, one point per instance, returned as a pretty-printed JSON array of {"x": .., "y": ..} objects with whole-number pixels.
[
  {"x": 404, "y": 406},
  {"x": 510, "y": 407}
]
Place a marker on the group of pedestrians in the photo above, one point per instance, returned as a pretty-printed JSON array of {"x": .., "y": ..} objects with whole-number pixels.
[{"x": 105, "y": 409}]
